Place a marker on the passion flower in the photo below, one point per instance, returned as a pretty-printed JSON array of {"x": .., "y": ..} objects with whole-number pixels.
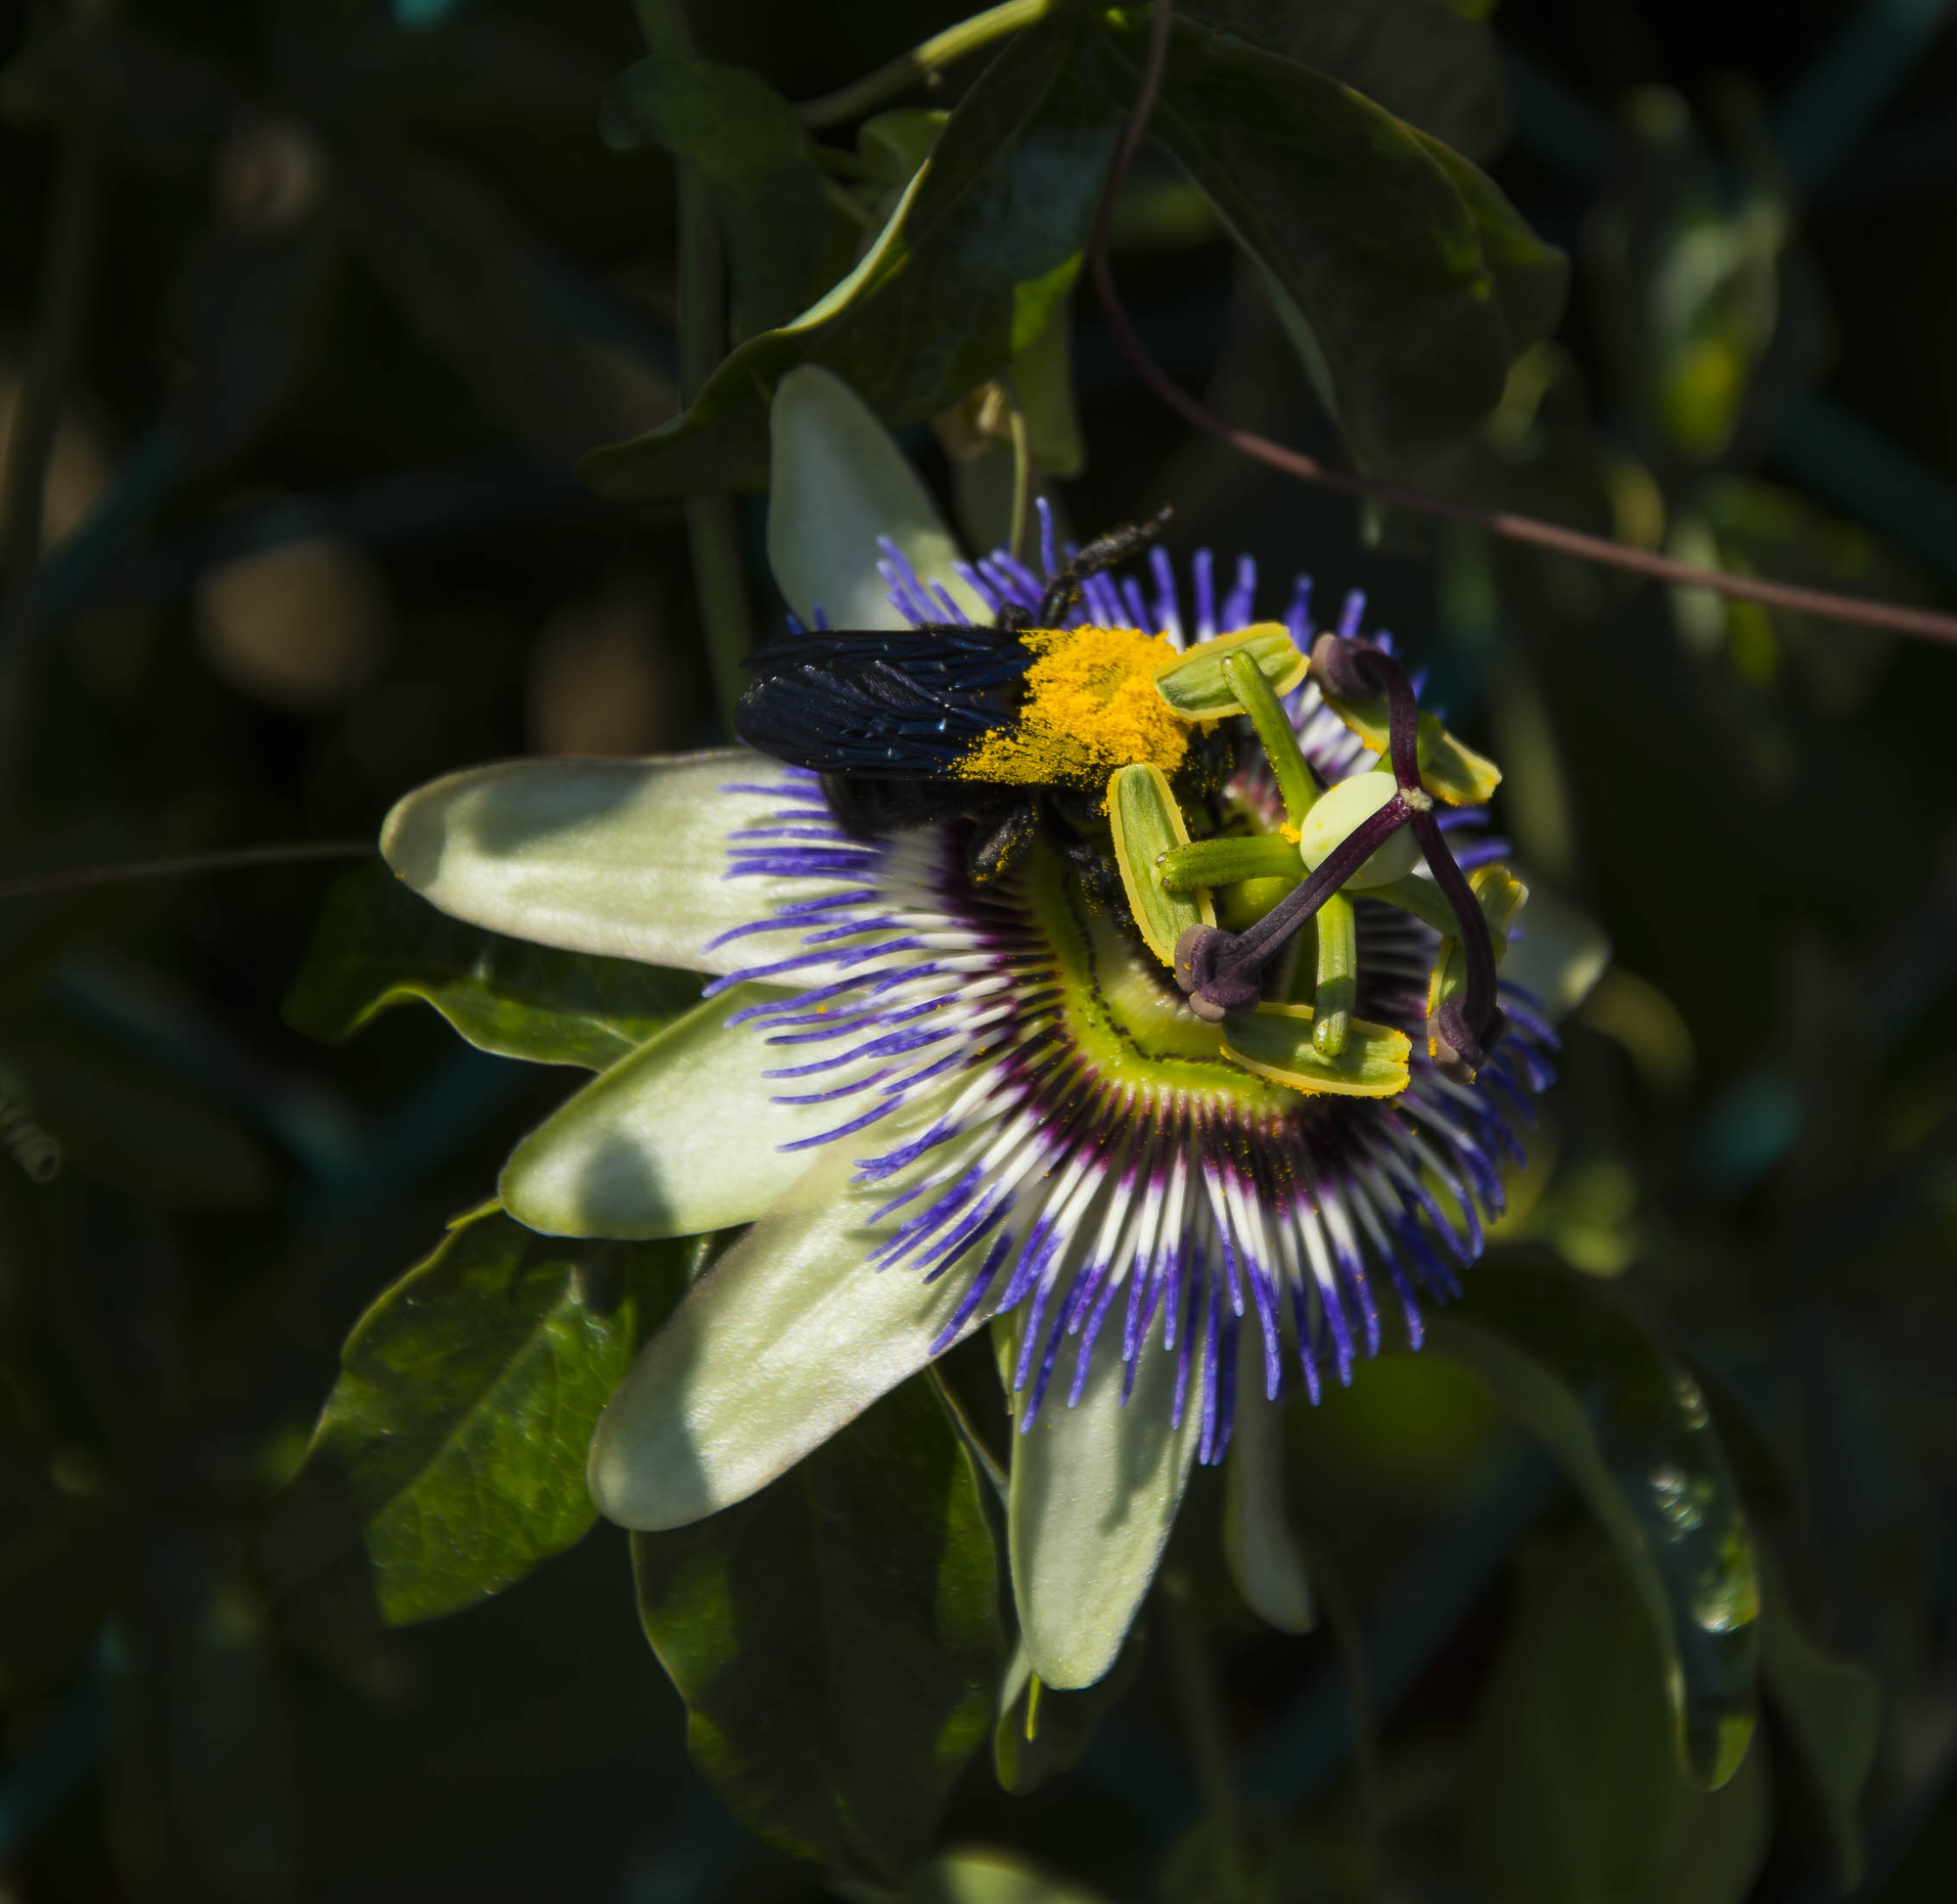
[{"x": 942, "y": 1101}]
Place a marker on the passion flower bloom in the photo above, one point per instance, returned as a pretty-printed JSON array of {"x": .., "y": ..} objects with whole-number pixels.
[{"x": 942, "y": 1103}]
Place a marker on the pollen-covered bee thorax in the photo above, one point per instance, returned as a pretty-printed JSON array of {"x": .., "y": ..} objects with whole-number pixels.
[{"x": 1089, "y": 706}]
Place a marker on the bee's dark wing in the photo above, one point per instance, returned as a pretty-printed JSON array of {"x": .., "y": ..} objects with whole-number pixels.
[{"x": 905, "y": 704}]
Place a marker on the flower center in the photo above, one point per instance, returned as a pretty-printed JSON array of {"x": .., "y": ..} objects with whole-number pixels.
[{"x": 1122, "y": 1017}]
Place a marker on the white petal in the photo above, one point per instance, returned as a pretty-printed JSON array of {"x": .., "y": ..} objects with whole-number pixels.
[
  {"x": 1257, "y": 1541},
  {"x": 1558, "y": 952},
  {"x": 1095, "y": 1490},
  {"x": 677, "y": 1138},
  {"x": 621, "y": 857},
  {"x": 837, "y": 482},
  {"x": 787, "y": 1338}
]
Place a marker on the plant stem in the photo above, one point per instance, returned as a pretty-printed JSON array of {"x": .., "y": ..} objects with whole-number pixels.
[
  {"x": 1023, "y": 470},
  {"x": 1208, "y": 1745},
  {"x": 181, "y": 866},
  {"x": 712, "y": 535},
  {"x": 68, "y": 271},
  {"x": 898, "y": 75}
]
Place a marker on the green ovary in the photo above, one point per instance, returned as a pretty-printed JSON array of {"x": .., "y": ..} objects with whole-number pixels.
[{"x": 1118, "y": 1016}]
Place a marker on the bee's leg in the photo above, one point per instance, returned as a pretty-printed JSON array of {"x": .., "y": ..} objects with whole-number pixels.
[
  {"x": 1104, "y": 552},
  {"x": 1001, "y": 842},
  {"x": 1077, "y": 824}
]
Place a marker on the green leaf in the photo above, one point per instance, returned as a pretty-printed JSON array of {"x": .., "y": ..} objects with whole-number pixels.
[
  {"x": 1632, "y": 1431},
  {"x": 741, "y": 138},
  {"x": 1064, "y": 1722},
  {"x": 1572, "y": 1796},
  {"x": 836, "y": 1638},
  {"x": 1531, "y": 279},
  {"x": 979, "y": 253},
  {"x": 1361, "y": 230},
  {"x": 449, "y": 1459},
  {"x": 1832, "y": 1709},
  {"x": 1419, "y": 59},
  {"x": 378, "y": 944}
]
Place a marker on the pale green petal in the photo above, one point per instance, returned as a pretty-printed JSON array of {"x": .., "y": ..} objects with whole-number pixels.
[
  {"x": 1262, "y": 1552},
  {"x": 837, "y": 482},
  {"x": 622, "y": 857},
  {"x": 788, "y": 1337},
  {"x": 677, "y": 1138},
  {"x": 1095, "y": 1489},
  {"x": 1558, "y": 952}
]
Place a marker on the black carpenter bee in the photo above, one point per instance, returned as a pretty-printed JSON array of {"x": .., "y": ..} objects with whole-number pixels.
[{"x": 1014, "y": 726}]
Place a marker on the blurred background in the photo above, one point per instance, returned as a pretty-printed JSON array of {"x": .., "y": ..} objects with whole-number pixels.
[{"x": 308, "y": 308}]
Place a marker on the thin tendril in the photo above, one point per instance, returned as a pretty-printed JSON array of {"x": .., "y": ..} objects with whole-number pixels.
[
  {"x": 182, "y": 867},
  {"x": 1927, "y": 623}
]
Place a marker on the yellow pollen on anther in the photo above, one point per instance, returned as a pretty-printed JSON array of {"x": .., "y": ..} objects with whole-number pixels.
[{"x": 1090, "y": 706}]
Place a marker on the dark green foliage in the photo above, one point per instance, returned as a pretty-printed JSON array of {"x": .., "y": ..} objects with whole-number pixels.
[
  {"x": 837, "y": 1638},
  {"x": 1632, "y": 1430},
  {"x": 1572, "y": 1737},
  {"x": 1409, "y": 273},
  {"x": 450, "y": 1456},
  {"x": 964, "y": 277},
  {"x": 1063, "y": 1724},
  {"x": 363, "y": 278},
  {"x": 735, "y": 132},
  {"x": 378, "y": 944}
]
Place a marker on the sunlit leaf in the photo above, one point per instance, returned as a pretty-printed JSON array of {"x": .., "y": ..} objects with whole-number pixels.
[
  {"x": 979, "y": 253},
  {"x": 1633, "y": 1433},
  {"x": 1572, "y": 1795},
  {"x": 837, "y": 1639},
  {"x": 378, "y": 944},
  {"x": 449, "y": 1459}
]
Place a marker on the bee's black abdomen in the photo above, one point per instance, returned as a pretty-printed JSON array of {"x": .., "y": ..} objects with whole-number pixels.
[{"x": 904, "y": 704}]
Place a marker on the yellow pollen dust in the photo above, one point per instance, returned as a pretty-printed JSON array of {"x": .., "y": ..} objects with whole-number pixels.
[{"x": 1091, "y": 706}]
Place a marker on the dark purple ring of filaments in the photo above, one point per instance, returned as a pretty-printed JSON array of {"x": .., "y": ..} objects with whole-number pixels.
[{"x": 1222, "y": 971}]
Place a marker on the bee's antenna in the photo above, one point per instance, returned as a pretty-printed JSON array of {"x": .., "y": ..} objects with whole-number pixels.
[{"x": 1104, "y": 552}]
